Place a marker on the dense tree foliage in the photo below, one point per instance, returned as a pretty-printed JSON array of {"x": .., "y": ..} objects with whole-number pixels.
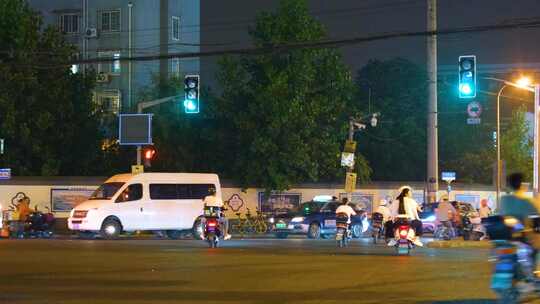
[
  {"x": 46, "y": 115},
  {"x": 282, "y": 116}
]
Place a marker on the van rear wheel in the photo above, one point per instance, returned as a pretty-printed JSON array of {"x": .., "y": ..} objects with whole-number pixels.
[{"x": 110, "y": 229}]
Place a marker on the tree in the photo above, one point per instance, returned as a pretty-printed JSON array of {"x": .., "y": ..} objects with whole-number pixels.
[
  {"x": 517, "y": 145},
  {"x": 396, "y": 149},
  {"x": 47, "y": 116},
  {"x": 282, "y": 117}
]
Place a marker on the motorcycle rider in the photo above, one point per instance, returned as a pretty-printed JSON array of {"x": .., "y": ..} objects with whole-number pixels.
[
  {"x": 520, "y": 206},
  {"x": 211, "y": 200},
  {"x": 345, "y": 208},
  {"x": 405, "y": 207},
  {"x": 446, "y": 213},
  {"x": 384, "y": 210}
]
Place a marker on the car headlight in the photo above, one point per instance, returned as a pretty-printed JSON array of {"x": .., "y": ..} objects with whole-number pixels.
[
  {"x": 297, "y": 219},
  {"x": 271, "y": 220}
]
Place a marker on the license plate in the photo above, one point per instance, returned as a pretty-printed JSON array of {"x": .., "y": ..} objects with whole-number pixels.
[
  {"x": 281, "y": 225},
  {"x": 330, "y": 223}
]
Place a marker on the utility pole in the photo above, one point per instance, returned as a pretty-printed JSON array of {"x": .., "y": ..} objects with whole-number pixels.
[{"x": 432, "y": 144}]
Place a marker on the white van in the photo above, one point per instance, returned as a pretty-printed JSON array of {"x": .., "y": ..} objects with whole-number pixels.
[{"x": 170, "y": 202}]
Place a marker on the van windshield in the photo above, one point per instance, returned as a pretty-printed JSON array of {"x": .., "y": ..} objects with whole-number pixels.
[{"x": 106, "y": 191}]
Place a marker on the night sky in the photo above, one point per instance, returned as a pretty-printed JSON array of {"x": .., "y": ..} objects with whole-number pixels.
[{"x": 227, "y": 22}]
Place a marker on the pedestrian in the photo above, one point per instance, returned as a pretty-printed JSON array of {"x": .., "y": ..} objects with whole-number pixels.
[
  {"x": 484, "y": 210},
  {"x": 21, "y": 216}
]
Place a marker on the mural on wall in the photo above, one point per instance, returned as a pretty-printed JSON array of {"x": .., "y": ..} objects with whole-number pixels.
[
  {"x": 472, "y": 199},
  {"x": 360, "y": 201},
  {"x": 17, "y": 199},
  {"x": 279, "y": 203},
  {"x": 235, "y": 202},
  {"x": 65, "y": 199}
]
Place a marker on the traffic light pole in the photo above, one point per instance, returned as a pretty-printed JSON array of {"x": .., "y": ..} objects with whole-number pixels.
[
  {"x": 147, "y": 104},
  {"x": 432, "y": 141}
]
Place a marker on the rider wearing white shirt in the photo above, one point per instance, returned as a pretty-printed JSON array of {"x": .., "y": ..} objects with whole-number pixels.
[
  {"x": 405, "y": 207},
  {"x": 345, "y": 208}
]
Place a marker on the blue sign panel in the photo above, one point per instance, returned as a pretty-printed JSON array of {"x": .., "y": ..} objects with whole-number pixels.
[{"x": 5, "y": 173}]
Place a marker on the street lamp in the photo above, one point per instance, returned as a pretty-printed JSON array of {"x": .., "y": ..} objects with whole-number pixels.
[{"x": 523, "y": 83}]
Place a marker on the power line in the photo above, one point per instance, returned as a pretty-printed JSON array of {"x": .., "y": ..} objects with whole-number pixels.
[{"x": 320, "y": 44}]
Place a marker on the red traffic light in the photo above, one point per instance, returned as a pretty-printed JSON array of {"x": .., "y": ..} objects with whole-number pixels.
[{"x": 149, "y": 153}]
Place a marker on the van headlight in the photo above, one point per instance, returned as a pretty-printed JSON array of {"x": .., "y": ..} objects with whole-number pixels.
[{"x": 297, "y": 219}]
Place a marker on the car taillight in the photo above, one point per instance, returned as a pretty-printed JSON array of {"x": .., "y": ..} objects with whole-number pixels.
[{"x": 212, "y": 224}]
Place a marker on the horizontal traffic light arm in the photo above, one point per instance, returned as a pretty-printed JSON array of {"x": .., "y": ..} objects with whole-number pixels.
[{"x": 147, "y": 104}]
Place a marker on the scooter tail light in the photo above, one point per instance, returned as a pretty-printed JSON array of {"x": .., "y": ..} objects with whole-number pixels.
[
  {"x": 212, "y": 224},
  {"x": 403, "y": 232}
]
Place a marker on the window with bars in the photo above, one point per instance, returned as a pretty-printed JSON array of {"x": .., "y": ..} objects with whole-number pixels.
[
  {"x": 108, "y": 101},
  {"x": 69, "y": 23},
  {"x": 114, "y": 67},
  {"x": 110, "y": 21},
  {"x": 175, "y": 28}
]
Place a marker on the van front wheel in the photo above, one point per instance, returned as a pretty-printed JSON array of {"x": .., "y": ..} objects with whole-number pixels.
[{"x": 110, "y": 229}]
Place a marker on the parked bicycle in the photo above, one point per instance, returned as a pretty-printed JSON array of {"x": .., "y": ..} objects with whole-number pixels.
[{"x": 250, "y": 224}]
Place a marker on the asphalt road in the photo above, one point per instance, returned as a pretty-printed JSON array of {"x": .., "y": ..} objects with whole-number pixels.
[{"x": 241, "y": 271}]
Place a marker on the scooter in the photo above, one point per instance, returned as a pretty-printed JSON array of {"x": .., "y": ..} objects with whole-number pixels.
[
  {"x": 212, "y": 231},
  {"x": 513, "y": 275},
  {"x": 40, "y": 225},
  {"x": 343, "y": 232},
  {"x": 404, "y": 236},
  {"x": 376, "y": 226}
]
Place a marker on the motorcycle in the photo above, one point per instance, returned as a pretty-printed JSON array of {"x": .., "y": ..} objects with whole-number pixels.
[
  {"x": 39, "y": 224},
  {"x": 343, "y": 232},
  {"x": 376, "y": 226},
  {"x": 513, "y": 275},
  {"x": 444, "y": 231},
  {"x": 212, "y": 231},
  {"x": 404, "y": 236}
]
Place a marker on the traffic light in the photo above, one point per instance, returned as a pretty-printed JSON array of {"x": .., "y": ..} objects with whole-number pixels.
[
  {"x": 191, "y": 98},
  {"x": 148, "y": 156},
  {"x": 467, "y": 76}
]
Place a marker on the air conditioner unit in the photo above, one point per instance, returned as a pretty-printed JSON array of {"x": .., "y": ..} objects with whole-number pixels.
[
  {"x": 102, "y": 77},
  {"x": 91, "y": 32}
]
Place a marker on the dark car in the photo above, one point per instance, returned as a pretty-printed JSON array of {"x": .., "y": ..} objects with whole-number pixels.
[
  {"x": 315, "y": 219},
  {"x": 429, "y": 219}
]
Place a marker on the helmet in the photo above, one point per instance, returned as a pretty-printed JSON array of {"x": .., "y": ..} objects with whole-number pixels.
[
  {"x": 444, "y": 197},
  {"x": 404, "y": 187},
  {"x": 383, "y": 202}
]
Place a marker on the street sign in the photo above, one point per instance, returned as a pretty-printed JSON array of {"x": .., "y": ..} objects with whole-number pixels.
[
  {"x": 473, "y": 121},
  {"x": 448, "y": 176},
  {"x": 347, "y": 159},
  {"x": 5, "y": 173},
  {"x": 135, "y": 129},
  {"x": 474, "y": 109},
  {"x": 137, "y": 169},
  {"x": 350, "y": 146},
  {"x": 350, "y": 182}
]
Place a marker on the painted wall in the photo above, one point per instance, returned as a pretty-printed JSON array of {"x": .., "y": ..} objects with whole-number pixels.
[{"x": 42, "y": 195}]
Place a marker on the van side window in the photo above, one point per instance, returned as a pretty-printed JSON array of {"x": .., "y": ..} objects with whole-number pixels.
[
  {"x": 163, "y": 191},
  {"x": 179, "y": 191},
  {"x": 200, "y": 191},
  {"x": 131, "y": 193}
]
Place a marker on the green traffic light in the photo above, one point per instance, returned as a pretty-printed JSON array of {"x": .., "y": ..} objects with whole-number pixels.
[
  {"x": 465, "y": 89},
  {"x": 190, "y": 106}
]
